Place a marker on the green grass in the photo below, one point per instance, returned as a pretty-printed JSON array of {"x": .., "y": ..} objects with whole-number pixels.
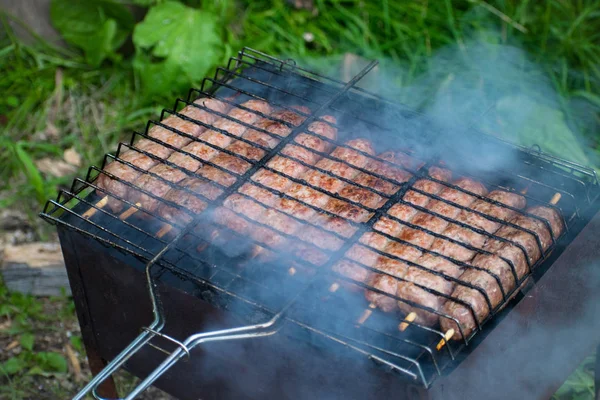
[{"x": 53, "y": 100}]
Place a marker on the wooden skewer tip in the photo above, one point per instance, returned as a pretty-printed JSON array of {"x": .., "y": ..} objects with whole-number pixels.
[
  {"x": 447, "y": 336},
  {"x": 292, "y": 271},
  {"x": 365, "y": 316},
  {"x": 129, "y": 212},
  {"x": 334, "y": 287},
  {"x": 555, "y": 199},
  {"x": 164, "y": 230},
  {"x": 407, "y": 320},
  {"x": 100, "y": 204},
  {"x": 201, "y": 247}
]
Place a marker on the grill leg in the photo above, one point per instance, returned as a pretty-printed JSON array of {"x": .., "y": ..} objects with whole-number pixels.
[
  {"x": 96, "y": 363},
  {"x": 107, "y": 389}
]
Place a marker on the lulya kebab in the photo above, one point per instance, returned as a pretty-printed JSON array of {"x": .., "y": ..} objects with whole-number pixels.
[
  {"x": 204, "y": 183},
  {"x": 338, "y": 164},
  {"x": 316, "y": 218},
  {"x": 413, "y": 241},
  {"x": 348, "y": 163},
  {"x": 347, "y": 155},
  {"x": 405, "y": 213},
  {"x": 276, "y": 177},
  {"x": 150, "y": 188},
  {"x": 494, "y": 263},
  {"x": 401, "y": 211},
  {"x": 113, "y": 189},
  {"x": 435, "y": 270}
]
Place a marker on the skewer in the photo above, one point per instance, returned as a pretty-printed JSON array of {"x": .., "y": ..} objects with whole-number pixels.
[
  {"x": 366, "y": 314},
  {"x": 412, "y": 315},
  {"x": 164, "y": 230},
  {"x": 407, "y": 320},
  {"x": 92, "y": 211},
  {"x": 447, "y": 336},
  {"x": 555, "y": 199},
  {"x": 129, "y": 212}
]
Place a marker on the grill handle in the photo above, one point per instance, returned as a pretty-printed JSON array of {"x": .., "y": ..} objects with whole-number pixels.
[{"x": 184, "y": 348}]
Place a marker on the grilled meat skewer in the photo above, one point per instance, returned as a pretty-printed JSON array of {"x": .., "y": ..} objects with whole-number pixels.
[
  {"x": 404, "y": 212},
  {"x": 419, "y": 238},
  {"x": 498, "y": 266},
  {"x": 409, "y": 290},
  {"x": 199, "y": 149},
  {"x": 208, "y": 173},
  {"x": 128, "y": 174}
]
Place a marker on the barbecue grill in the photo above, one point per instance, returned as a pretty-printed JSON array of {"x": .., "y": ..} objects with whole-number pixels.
[{"x": 241, "y": 318}]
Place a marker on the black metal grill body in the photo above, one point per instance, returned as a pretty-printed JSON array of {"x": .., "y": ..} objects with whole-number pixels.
[
  {"x": 527, "y": 352},
  {"x": 309, "y": 357}
]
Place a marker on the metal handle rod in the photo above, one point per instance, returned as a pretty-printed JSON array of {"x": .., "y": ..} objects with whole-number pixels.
[
  {"x": 179, "y": 353},
  {"x": 243, "y": 332},
  {"x": 115, "y": 364}
]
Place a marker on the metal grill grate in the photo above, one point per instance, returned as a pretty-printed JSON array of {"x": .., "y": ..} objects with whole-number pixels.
[{"x": 282, "y": 285}]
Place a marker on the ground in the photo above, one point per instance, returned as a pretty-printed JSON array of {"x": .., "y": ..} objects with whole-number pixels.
[
  {"x": 60, "y": 113},
  {"x": 52, "y": 326}
]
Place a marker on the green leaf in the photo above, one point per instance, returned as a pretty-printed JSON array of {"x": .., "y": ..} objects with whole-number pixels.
[
  {"x": 181, "y": 40},
  {"x": 12, "y": 366},
  {"x": 159, "y": 77},
  {"x": 51, "y": 362},
  {"x": 12, "y": 101},
  {"x": 98, "y": 27},
  {"x": 27, "y": 340},
  {"x": 5, "y": 309},
  {"x": 77, "y": 343},
  {"x": 522, "y": 120}
]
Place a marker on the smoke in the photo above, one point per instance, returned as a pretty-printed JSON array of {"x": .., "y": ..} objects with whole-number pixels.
[
  {"x": 479, "y": 86},
  {"x": 489, "y": 87}
]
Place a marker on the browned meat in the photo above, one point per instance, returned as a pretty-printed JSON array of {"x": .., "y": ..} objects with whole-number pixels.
[
  {"x": 388, "y": 171},
  {"x": 470, "y": 237},
  {"x": 234, "y": 164},
  {"x": 496, "y": 265},
  {"x": 386, "y": 225},
  {"x": 274, "y": 126},
  {"x": 404, "y": 211},
  {"x": 436, "y": 224},
  {"x": 421, "y": 238},
  {"x": 159, "y": 188},
  {"x": 408, "y": 290},
  {"x": 386, "y": 283},
  {"x": 278, "y": 220},
  {"x": 351, "y": 270},
  {"x": 129, "y": 174},
  {"x": 185, "y": 200},
  {"x": 485, "y": 207},
  {"x": 403, "y": 159},
  {"x": 552, "y": 216}
]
